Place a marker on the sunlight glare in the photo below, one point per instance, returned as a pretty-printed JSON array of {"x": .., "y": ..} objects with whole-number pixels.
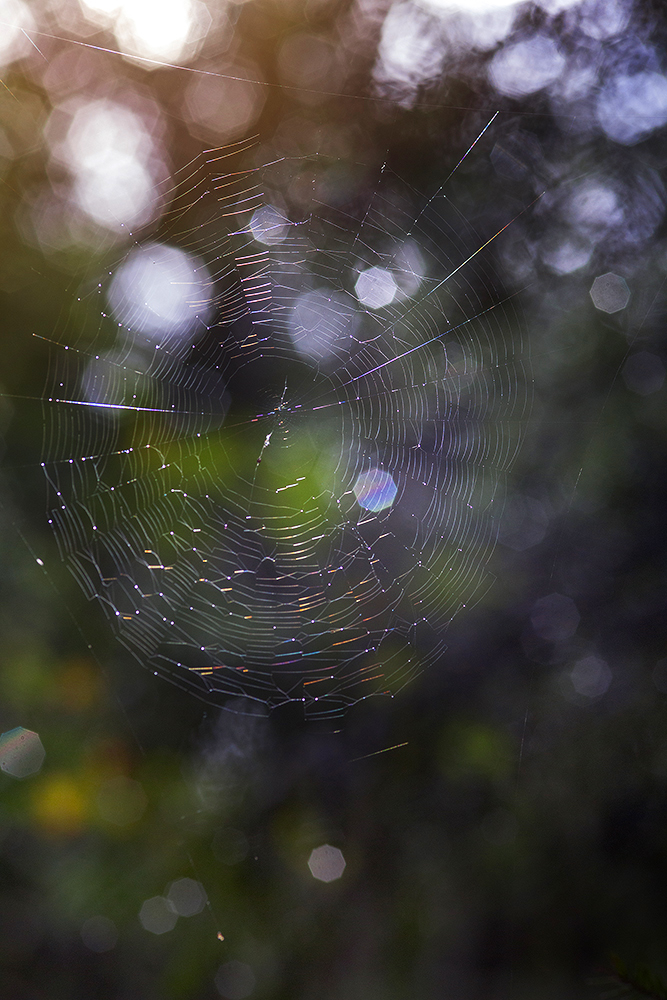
[
  {"x": 16, "y": 19},
  {"x": 112, "y": 158},
  {"x": 156, "y": 29},
  {"x": 527, "y": 66},
  {"x": 472, "y": 6}
]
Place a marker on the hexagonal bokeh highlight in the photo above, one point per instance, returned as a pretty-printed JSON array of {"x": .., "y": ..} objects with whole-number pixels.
[
  {"x": 187, "y": 897},
  {"x": 224, "y": 108},
  {"x": 326, "y": 863},
  {"x": 235, "y": 980},
  {"x": 610, "y": 292},
  {"x": 157, "y": 915},
  {"x": 21, "y": 752},
  {"x": 375, "y": 490},
  {"x": 591, "y": 677},
  {"x": 376, "y": 287},
  {"x": 99, "y": 934},
  {"x": 121, "y": 800},
  {"x": 523, "y": 524},
  {"x": 555, "y": 617},
  {"x": 268, "y": 226},
  {"x": 160, "y": 291}
]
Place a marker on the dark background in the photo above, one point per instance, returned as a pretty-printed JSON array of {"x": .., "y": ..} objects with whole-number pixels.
[{"x": 515, "y": 835}]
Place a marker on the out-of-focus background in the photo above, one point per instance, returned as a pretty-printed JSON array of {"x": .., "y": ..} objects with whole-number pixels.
[{"x": 497, "y": 829}]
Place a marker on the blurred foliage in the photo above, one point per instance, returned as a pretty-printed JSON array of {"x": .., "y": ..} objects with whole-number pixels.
[
  {"x": 502, "y": 832},
  {"x": 633, "y": 982}
]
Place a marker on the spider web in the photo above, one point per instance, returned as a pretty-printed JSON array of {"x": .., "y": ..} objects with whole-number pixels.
[{"x": 289, "y": 497}]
